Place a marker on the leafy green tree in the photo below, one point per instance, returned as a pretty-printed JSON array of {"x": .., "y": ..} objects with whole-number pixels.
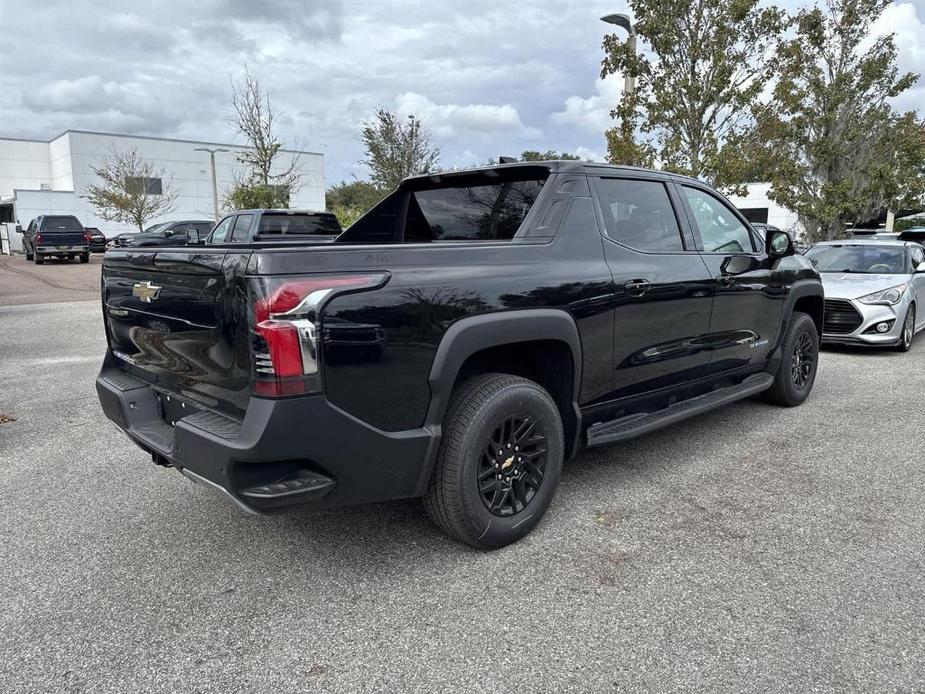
[
  {"x": 256, "y": 196},
  {"x": 835, "y": 151},
  {"x": 548, "y": 155},
  {"x": 270, "y": 176},
  {"x": 123, "y": 192},
  {"x": 350, "y": 201},
  {"x": 705, "y": 65},
  {"x": 396, "y": 149}
]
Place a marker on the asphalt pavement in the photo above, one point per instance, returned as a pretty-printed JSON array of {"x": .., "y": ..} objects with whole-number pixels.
[{"x": 753, "y": 549}]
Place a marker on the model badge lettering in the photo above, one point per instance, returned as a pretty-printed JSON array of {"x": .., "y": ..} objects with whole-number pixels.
[{"x": 146, "y": 291}]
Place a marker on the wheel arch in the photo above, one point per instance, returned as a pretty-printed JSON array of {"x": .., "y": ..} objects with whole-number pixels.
[{"x": 475, "y": 345}]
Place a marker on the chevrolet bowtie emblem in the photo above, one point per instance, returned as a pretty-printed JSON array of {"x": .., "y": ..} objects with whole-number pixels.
[
  {"x": 507, "y": 463},
  {"x": 146, "y": 291}
]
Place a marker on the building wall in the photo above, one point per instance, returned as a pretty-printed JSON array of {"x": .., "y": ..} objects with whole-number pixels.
[
  {"x": 757, "y": 198},
  {"x": 23, "y": 164},
  {"x": 65, "y": 164}
]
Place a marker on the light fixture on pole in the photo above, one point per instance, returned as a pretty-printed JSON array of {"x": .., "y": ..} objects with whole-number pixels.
[
  {"x": 623, "y": 20},
  {"x": 214, "y": 183}
]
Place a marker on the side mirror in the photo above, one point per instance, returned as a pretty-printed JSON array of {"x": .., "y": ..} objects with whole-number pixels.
[
  {"x": 192, "y": 237},
  {"x": 19, "y": 229},
  {"x": 778, "y": 243},
  {"x": 920, "y": 268}
]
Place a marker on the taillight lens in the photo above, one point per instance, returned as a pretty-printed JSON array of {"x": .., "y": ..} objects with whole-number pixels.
[
  {"x": 37, "y": 238},
  {"x": 87, "y": 237},
  {"x": 286, "y": 321}
]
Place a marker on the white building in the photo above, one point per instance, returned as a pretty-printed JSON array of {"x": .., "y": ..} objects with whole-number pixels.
[
  {"x": 38, "y": 177},
  {"x": 757, "y": 207}
]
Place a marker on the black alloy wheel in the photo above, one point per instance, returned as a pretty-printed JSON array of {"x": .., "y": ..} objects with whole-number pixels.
[
  {"x": 499, "y": 461},
  {"x": 801, "y": 365},
  {"x": 512, "y": 465}
]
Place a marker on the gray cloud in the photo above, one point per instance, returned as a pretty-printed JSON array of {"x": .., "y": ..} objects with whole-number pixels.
[{"x": 489, "y": 78}]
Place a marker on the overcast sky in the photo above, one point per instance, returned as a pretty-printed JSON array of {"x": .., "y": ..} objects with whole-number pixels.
[{"x": 487, "y": 77}]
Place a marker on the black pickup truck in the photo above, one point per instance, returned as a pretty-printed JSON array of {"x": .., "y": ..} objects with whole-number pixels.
[{"x": 457, "y": 343}]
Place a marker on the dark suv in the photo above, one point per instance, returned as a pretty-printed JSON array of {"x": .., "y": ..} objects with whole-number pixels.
[
  {"x": 60, "y": 236},
  {"x": 457, "y": 343},
  {"x": 169, "y": 233}
]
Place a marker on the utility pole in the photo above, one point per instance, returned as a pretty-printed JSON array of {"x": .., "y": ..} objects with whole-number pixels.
[{"x": 214, "y": 183}]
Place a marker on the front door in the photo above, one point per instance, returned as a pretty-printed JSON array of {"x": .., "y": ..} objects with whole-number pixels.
[
  {"x": 662, "y": 290},
  {"x": 748, "y": 296}
]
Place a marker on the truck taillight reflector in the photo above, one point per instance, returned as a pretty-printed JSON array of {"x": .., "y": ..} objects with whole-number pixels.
[{"x": 285, "y": 319}]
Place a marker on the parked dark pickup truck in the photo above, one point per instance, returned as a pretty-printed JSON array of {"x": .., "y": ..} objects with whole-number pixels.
[
  {"x": 275, "y": 226},
  {"x": 458, "y": 342},
  {"x": 60, "y": 236}
]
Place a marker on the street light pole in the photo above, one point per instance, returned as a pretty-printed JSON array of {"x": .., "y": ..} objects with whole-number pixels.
[
  {"x": 214, "y": 183},
  {"x": 623, "y": 20}
]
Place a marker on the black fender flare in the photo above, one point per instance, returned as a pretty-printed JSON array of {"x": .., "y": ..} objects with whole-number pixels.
[
  {"x": 798, "y": 290},
  {"x": 471, "y": 335}
]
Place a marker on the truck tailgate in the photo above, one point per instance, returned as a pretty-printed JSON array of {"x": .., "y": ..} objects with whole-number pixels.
[{"x": 174, "y": 319}]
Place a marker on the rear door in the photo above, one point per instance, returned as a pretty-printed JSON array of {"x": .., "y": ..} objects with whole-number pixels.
[
  {"x": 174, "y": 318},
  {"x": 661, "y": 286},
  {"x": 748, "y": 295}
]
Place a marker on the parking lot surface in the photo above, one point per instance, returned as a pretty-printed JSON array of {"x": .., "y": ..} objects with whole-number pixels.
[
  {"x": 23, "y": 282},
  {"x": 754, "y": 549}
]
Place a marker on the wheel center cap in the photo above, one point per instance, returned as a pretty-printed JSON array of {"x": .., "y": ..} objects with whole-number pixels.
[{"x": 507, "y": 463}]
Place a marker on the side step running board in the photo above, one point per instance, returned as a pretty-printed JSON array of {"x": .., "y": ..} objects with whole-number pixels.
[
  {"x": 634, "y": 425},
  {"x": 303, "y": 486}
]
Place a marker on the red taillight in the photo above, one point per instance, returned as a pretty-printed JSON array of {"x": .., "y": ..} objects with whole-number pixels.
[
  {"x": 286, "y": 315},
  {"x": 87, "y": 237},
  {"x": 37, "y": 238},
  {"x": 292, "y": 293}
]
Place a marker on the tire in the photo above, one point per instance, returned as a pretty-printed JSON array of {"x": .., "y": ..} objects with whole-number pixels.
[
  {"x": 908, "y": 334},
  {"x": 795, "y": 376},
  {"x": 29, "y": 256},
  {"x": 39, "y": 259},
  {"x": 480, "y": 412},
  {"x": 85, "y": 257}
]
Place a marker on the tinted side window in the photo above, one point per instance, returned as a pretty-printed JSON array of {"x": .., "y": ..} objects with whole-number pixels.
[
  {"x": 242, "y": 227},
  {"x": 639, "y": 214},
  {"x": 470, "y": 213},
  {"x": 203, "y": 228},
  {"x": 720, "y": 230},
  {"x": 221, "y": 231}
]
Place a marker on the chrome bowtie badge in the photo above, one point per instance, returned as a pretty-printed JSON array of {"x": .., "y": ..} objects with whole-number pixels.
[{"x": 146, "y": 291}]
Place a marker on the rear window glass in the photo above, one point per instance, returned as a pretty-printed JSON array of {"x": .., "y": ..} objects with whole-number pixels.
[
  {"x": 61, "y": 224},
  {"x": 470, "y": 213},
  {"x": 308, "y": 224}
]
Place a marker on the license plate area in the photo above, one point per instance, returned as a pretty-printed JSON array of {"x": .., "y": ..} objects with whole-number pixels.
[{"x": 172, "y": 409}]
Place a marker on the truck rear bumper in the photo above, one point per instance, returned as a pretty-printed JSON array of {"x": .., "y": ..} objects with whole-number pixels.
[
  {"x": 286, "y": 452},
  {"x": 58, "y": 250}
]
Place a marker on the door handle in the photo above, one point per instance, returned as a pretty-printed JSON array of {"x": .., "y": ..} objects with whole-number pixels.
[{"x": 637, "y": 287}]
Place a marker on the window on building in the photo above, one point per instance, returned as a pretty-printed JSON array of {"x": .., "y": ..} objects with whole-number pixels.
[
  {"x": 141, "y": 184},
  {"x": 755, "y": 215},
  {"x": 639, "y": 214}
]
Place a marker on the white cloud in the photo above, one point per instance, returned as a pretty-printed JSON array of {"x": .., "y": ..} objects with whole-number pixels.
[
  {"x": 450, "y": 120},
  {"x": 592, "y": 113},
  {"x": 590, "y": 154}
]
